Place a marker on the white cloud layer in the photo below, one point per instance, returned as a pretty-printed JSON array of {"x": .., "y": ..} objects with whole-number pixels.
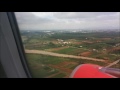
[{"x": 68, "y": 20}]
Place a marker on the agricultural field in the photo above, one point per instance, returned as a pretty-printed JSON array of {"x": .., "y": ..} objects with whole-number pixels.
[
  {"x": 43, "y": 66},
  {"x": 99, "y": 45}
]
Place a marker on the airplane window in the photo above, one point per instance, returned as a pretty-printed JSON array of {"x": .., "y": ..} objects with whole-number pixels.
[
  {"x": 55, "y": 43},
  {"x": 2, "y": 73}
]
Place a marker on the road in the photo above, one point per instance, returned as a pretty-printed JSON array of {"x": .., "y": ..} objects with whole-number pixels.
[
  {"x": 62, "y": 55},
  {"x": 113, "y": 63}
]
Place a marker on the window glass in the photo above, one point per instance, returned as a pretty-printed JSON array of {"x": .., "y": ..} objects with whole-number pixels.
[{"x": 55, "y": 43}]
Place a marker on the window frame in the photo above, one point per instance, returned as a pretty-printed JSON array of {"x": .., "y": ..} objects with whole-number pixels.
[{"x": 12, "y": 54}]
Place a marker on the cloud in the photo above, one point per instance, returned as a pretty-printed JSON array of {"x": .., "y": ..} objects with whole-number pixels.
[{"x": 67, "y": 20}]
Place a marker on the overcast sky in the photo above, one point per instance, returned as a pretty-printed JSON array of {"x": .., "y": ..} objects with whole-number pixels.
[{"x": 67, "y": 20}]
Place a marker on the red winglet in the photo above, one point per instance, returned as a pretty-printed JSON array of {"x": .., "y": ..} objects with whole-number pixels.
[{"x": 89, "y": 71}]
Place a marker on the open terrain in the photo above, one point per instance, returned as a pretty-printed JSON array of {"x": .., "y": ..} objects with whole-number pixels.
[{"x": 55, "y": 54}]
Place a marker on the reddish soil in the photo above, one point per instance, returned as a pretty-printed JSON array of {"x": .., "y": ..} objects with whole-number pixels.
[
  {"x": 61, "y": 68},
  {"x": 98, "y": 41},
  {"x": 52, "y": 75},
  {"x": 63, "y": 64},
  {"x": 78, "y": 43},
  {"x": 106, "y": 58},
  {"x": 114, "y": 49},
  {"x": 56, "y": 49},
  {"x": 67, "y": 76},
  {"x": 106, "y": 38},
  {"x": 86, "y": 53},
  {"x": 87, "y": 41}
]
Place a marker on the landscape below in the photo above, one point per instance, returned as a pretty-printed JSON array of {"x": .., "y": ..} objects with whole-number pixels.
[{"x": 99, "y": 45}]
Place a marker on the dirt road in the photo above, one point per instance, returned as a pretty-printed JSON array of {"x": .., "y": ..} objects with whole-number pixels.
[
  {"x": 113, "y": 63},
  {"x": 62, "y": 55}
]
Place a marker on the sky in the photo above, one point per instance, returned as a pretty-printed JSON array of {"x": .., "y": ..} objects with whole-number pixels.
[{"x": 67, "y": 20}]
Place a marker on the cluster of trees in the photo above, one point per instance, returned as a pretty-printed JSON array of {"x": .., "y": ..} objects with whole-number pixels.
[{"x": 85, "y": 35}]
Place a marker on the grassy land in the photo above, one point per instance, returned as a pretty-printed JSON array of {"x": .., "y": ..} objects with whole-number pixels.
[
  {"x": 39, "y": 65},
  {"x": 61, "y": 75},
  {"x": 69, "y": 66},
  {"x": 71, "y": 51}
]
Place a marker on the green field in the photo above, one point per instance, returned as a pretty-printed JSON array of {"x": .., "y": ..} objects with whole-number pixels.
[
  {"x": 101, "y": 45},
  {"x": 71, "y": 51},
  {"x": 61, "y": 75},
  {"x": 40, "y": 65}
]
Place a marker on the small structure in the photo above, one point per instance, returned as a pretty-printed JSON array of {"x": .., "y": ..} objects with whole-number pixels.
[
  {"x": 104, "y": 49},
  {"x": 117, "y": 45},
  {"x": 94, "y": 49},
  {"x": 65, "y": 42},
  {"x": 81, "y": 46}
]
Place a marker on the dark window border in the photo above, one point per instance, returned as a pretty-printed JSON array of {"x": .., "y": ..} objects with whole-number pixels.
[
  {"x": 18, "y": 40},
  {"x": 2, "y": 72}
]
